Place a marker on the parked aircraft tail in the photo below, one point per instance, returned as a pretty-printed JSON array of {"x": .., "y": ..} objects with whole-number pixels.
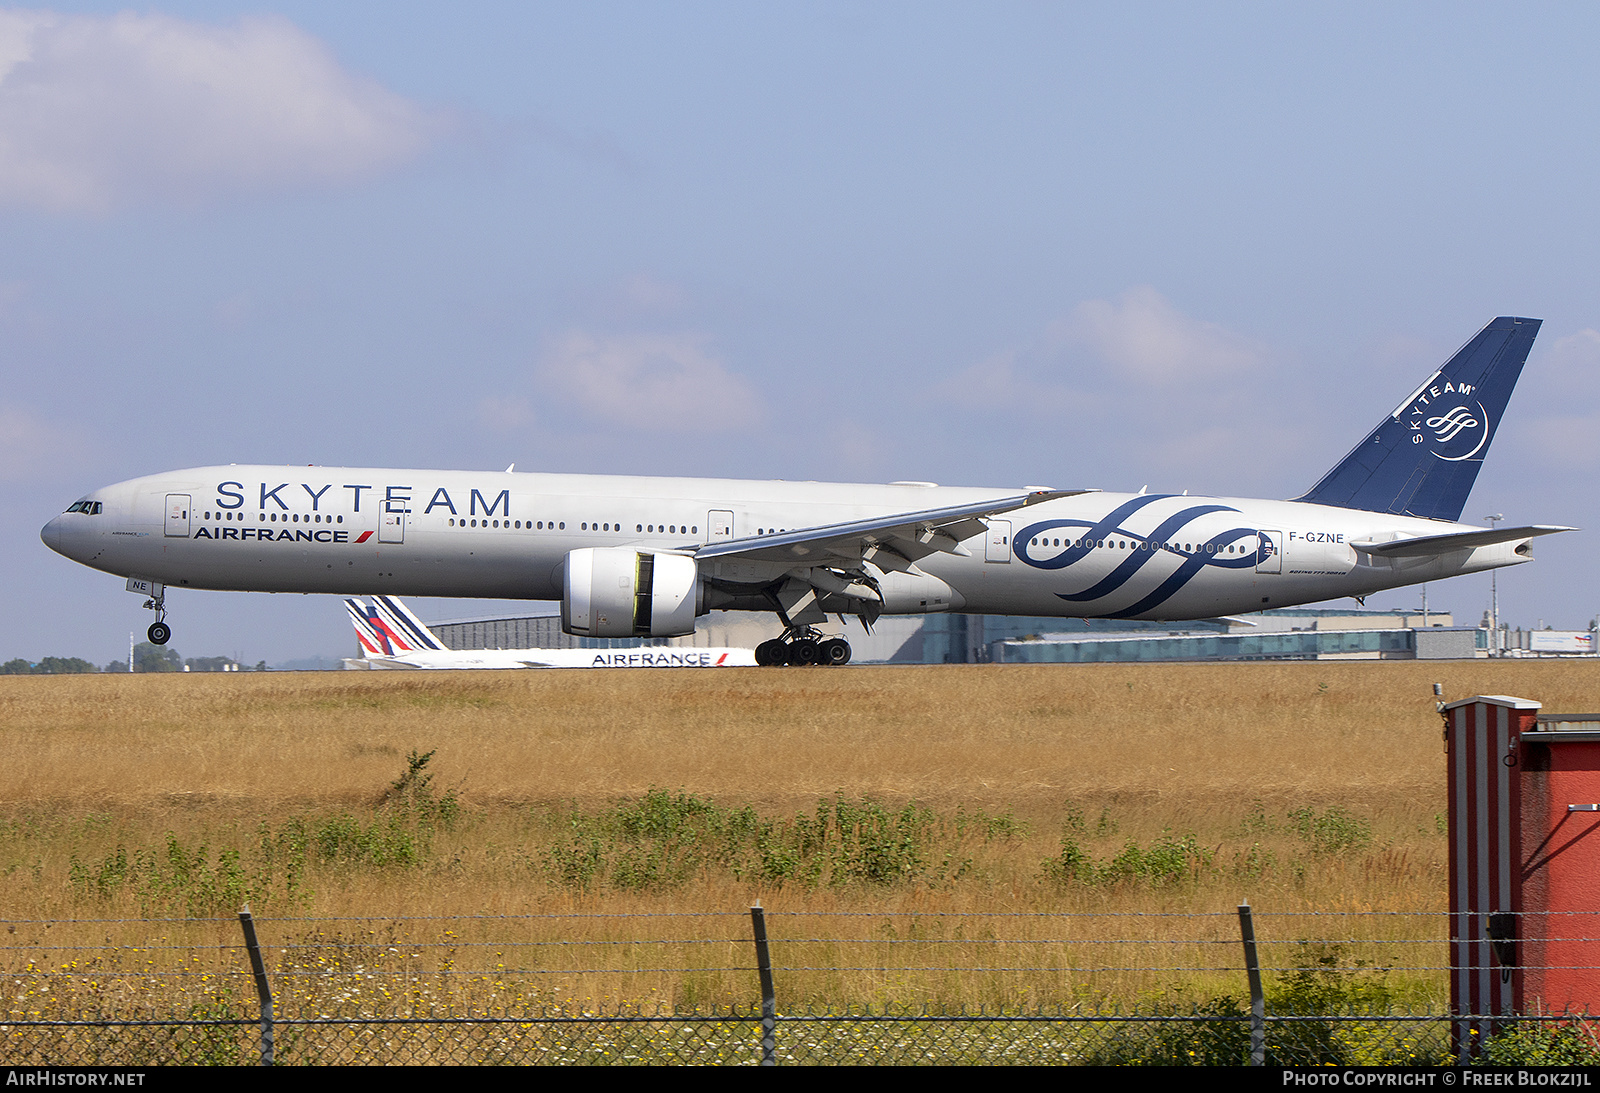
[
  {"x": 387, "y": 628},
  {"x": 1423, "y": 458},
  {"x": 372, "y": 633},
  {"x": 401, "y": 622}
]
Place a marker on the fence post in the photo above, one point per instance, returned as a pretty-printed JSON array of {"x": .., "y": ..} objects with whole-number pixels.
[
  {"x": 769, "y": 1000},
  {"x": 263, "y": 991},
  {"x": 1258, "y": 1001}
]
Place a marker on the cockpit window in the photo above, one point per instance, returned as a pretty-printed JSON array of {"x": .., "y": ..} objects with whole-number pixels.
[{"x": 88, "y": 508}]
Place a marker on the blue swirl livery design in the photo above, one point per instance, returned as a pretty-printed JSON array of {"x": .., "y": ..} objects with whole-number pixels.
[
  {"x": 1160, "y": 553},
  {"x": 1459, "y": 422}
]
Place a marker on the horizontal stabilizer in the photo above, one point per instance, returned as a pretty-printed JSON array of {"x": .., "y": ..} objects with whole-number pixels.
[{"x": 1428, "y": 545}]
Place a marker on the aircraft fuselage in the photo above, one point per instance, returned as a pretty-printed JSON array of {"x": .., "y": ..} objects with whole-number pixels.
[{"x": 505, "y": 535}]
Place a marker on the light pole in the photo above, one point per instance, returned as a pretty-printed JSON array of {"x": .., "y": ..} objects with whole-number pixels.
[{"x": 1494, "y": 597}]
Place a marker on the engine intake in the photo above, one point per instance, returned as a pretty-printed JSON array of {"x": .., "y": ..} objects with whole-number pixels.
[{"x": 615, "y": 592}]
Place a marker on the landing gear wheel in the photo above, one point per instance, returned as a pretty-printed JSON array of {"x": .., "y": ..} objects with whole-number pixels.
[
  {"x": 805, "y": 652},
  {"x": 801, "y": 646},
  {"x": 159, "y": 633}
]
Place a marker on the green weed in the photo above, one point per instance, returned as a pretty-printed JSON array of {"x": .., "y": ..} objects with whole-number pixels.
[
  {"x": 1335, "y": 830},
  {"x": 1543, "y": 1044},
  {"x": 1169, "y": 859}
]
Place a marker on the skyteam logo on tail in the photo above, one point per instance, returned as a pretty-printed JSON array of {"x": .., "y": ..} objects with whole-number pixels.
[{"x": 1453, "y": 426}]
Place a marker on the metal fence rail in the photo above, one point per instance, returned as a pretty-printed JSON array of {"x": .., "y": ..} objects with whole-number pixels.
[
  {"x": 739, "y": 1038},
  {"x": 325, "y": 991}
]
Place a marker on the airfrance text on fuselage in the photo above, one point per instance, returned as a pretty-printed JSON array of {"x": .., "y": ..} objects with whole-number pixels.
[
  {"x": 300, "y": 535},
  {"x": 656, "y": 660}
]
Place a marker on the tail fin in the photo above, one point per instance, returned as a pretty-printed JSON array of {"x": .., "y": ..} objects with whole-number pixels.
[
  {"x": 406, "y": 627},
  {"x": 371, "y": 632},
  {"x": 1423, "y": 458}
]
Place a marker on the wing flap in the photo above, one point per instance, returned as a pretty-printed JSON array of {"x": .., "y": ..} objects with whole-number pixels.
[{"x": 912, "y": 535}]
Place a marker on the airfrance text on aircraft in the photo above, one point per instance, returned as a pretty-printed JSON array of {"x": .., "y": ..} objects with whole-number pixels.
[
  {"x": 391, "y": 637},
  {"x": 645, "y": 557}
]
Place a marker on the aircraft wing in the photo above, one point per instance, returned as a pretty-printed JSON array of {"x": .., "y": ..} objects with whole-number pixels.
[
  {"x": 892, "y": 542},
  {"x": 1427, "y": 545}
]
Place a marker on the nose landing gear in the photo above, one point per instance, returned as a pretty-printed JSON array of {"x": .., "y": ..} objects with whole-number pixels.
[{"x": 159, "y": 633}]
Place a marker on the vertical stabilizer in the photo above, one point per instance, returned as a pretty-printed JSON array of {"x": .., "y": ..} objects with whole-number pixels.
[
  {"x": 1423, "y": 458},
  {"x": 371, "y": 633},
  {"x": 410, "y": 628}
]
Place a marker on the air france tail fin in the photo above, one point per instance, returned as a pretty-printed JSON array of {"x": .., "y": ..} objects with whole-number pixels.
[
  {"x": 371, "y": 632},
  {"x": 1423, "y": 458},
  {"x": 404, "y": 626}
]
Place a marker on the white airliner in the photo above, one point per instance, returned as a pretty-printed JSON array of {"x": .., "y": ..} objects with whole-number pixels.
[
  {"x": 391, "y": 636},
  {"x": 636, "y": 556}
]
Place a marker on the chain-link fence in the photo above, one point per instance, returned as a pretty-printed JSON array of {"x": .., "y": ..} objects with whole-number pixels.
[
  {"x": 751, "y": 988},
  {"x": 737, "y": 1038}
]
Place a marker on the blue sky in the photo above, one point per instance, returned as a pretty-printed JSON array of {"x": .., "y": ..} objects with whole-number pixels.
[{"x": 1197, "y": 247}]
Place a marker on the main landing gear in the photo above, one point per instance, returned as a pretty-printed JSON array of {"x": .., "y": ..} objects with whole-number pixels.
[
  {"x": 802, "y": 646},
  {"x": 159, "y": 633}
]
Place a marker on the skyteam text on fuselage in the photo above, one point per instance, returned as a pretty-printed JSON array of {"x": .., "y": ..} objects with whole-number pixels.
[{"x": 638, "y": 556}]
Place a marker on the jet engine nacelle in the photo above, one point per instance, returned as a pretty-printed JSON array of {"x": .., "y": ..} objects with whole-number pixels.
[{"x": 616, "y": 592}]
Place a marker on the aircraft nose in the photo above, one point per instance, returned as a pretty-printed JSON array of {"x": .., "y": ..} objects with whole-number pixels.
[{"x": 51, "y": 534}]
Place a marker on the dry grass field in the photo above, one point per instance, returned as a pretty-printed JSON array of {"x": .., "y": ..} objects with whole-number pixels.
[{"x": 1089, "y": 788}]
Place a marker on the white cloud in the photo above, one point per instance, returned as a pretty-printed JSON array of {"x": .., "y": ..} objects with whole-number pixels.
[
  {"x": 659, "y": 382},
  {"x": 1106, "y": 352},
  {"x": 1130, "y": 391},
  {"x": 504, "y": 414},
  {"x": 1570, "y": 380},
  {"x": 1144, "y": 336},
  {"x": 29, "y": 444},
  {"x": 999, "y": 384},
  {"x": 644, "y": 293},
  {"x": 1575, "y": 359},
  {"x": 97, "y": 112}
]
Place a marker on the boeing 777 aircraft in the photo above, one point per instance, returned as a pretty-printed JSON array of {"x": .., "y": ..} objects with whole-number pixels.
[{"x": 636, "y": 556}]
